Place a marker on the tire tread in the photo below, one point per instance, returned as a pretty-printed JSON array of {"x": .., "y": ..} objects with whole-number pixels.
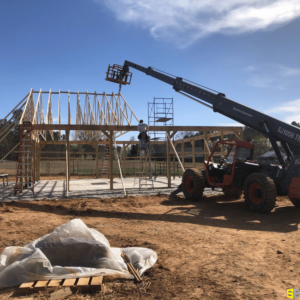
[
  {"x": 198, "y": 184},
  {"x": 269, "y": 185}
]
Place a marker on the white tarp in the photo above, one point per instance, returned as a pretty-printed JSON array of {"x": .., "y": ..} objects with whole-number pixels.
[{"x": 72, "y": 250}]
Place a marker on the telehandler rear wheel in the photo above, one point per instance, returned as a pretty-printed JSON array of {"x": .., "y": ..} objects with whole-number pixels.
[
  {"x": 192, "y": 184},
  {"x": 260, "y": 193}
]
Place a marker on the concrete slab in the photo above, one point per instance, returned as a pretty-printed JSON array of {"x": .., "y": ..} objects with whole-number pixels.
[{"x": 90, "y": 188}]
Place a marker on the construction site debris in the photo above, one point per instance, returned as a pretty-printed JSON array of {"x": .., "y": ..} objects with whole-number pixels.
[
  {"x": 71, "y": 251},
  {"x": 83, "y": 284},
  {"x": 131, "y": 268}
]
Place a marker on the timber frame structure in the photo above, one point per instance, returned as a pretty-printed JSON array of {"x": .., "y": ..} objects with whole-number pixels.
[{"x": 102, "y": 119}]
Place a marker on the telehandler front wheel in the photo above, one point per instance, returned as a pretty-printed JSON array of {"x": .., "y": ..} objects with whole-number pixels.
[
  {"x": 260, "y": 193},
  {"x": 192, "y": 184}
]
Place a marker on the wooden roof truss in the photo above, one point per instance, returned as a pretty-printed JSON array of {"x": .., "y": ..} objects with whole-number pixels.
[{"x": 98, "y": 109}]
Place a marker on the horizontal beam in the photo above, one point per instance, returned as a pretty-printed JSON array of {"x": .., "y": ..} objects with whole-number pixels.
[
  {"x": 96, "y": 142},
  {"x": 73, "y": 93},
  {"x": 131, "y": 128}
]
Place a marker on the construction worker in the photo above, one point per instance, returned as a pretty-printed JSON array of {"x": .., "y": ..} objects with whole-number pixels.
[{"x": 143, "y": 137}]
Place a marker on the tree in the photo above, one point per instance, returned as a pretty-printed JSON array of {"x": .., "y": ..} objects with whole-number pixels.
[
  {"x": 133, "y": 149},
  {"x": 13, "y": 138},
  {"x": 260, "y": 141},
  {"x": 184, "y": 134}
]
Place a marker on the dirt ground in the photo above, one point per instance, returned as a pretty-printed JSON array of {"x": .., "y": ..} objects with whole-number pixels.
[{"x": 212, "y": 249}]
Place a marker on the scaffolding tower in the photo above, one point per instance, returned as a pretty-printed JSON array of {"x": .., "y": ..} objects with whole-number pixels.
[{"x": 160, "y": 113}]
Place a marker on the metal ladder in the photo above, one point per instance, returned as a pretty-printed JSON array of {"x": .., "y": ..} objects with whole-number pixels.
[
  {"x": 25, "y": 175},
  {"x": 144, "y": 180},
  {"x": 104, "y": 171}
]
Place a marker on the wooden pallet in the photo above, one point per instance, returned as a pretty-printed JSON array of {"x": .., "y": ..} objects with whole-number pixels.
[{"x": 84, "y": 284}]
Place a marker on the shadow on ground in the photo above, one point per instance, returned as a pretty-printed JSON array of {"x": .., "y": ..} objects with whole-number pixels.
[{"x": 215, "y": 211}]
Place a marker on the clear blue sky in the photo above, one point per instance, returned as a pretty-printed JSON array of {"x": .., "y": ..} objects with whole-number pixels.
[{"x": 248, "y": 51}]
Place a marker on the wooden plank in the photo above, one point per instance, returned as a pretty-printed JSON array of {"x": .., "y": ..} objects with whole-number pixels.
[
  {"x": 96, "y": 283},
  {"x": 96, "y": 280},
  {"x": 131, "y": 268},
  {"x": 26, "y": 287},
  {"x": 69, "y": 282},
  {"x": 41, "y": 283},
  {"x": 173, "y": 133},
  {"x": 24, "y": 111},
  {"x": 83, "y": 281},
  {"x": 91, "y": 284},
  {"x": 239, "y": 135},
  {"x": 55, "y": 282},
  {"x": 27, "y": 284},
  {"x": 107, "y": 135}
]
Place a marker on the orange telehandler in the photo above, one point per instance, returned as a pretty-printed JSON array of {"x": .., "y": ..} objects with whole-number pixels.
[{"x": 236, "y": 171}]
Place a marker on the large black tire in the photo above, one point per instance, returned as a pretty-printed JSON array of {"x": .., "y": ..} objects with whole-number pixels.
[
  {"x": 232, "y": 191},
  {"x": 295, "y": 201},
  {"x": 192, "y": 184},
  {"x": 260, "y": 193}
]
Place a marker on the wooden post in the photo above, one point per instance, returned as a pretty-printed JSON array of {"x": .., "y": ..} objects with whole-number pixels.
[
  {"x": 97, "y": 157},
  {"x": 124, "y": 160},
  {"x": 33, "y": 160},
  {"x": 39, "y": 169},
  {"x": 111, "y": 175},
  {"x": 168, "y": 162},
  {"x": 69, "y": 156},
  {"x": 173, "y": 166},
  {"x": 21, "y": 160},
  {"x": 206, "y": 149},
  {"x": 193, "y": 152},
  {"x": 36, "y": 178},
  {"x": 241, "y": 135},
  {"x": 67, "y": 161},
  {"x": 37, "y": 162},
  {"x": 182, "y": 153}
]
